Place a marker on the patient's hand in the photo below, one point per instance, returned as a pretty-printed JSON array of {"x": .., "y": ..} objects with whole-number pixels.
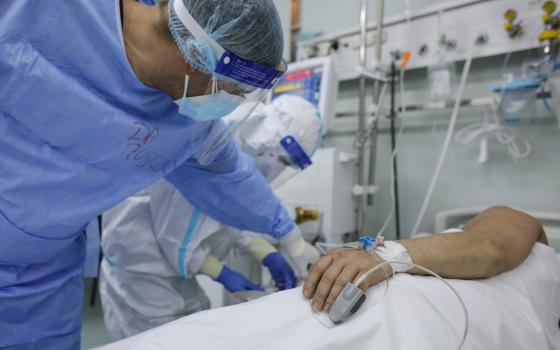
[{"x": 332, "y": 272}]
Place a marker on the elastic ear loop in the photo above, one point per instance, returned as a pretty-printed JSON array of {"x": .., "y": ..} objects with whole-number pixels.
[
  {"x": 214, "y": 84},
  {"x": 186, "y": 85}
]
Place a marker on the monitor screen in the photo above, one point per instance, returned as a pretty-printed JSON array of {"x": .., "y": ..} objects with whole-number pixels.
[{"x": 305, "y": 83}]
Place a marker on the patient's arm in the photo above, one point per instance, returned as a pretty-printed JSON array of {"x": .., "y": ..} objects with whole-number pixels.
[{"x": 496, "y": 241}]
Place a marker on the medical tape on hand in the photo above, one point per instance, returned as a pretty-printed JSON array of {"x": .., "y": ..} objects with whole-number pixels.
[{"x": 395, "y": 252}]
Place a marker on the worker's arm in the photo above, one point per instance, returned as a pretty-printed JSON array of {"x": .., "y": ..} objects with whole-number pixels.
[
  {"x": 496, "y": 241},
  {"x": 234, "y": 192}
]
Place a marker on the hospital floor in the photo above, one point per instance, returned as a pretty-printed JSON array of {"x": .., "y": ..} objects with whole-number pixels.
[{"x": 93, "y": 328}]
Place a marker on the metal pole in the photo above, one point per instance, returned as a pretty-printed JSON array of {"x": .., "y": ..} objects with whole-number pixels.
[
  {"x": 360, "y": 208},
  {"x": 376, "y": 97},
  {"x": 393, "y": 146}
]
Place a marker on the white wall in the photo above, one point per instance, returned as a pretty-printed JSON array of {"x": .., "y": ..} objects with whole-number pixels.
[
  {"x": 283, "y": 7},
  {"x": 328, "y": 16}
]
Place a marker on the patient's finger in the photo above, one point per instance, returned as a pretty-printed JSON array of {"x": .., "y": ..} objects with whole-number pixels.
[
  {"x": 315, "y": 275},
  {"x": 347, "y": 275},
  {"x": 325, "y": 284}
]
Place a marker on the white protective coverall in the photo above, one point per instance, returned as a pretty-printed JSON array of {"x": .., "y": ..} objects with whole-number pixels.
[{"x": 155, "y": 242}]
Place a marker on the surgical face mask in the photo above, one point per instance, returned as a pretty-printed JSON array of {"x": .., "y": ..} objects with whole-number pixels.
[{"x": 216, "y": 105}]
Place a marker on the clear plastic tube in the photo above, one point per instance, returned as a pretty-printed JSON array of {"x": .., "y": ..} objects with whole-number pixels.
[
  {"x": 377, "y": 293},
  {"x": 363, "y": 277},
  {"x": 447, "y": 142},
  {"x": 518, "y": 147}
]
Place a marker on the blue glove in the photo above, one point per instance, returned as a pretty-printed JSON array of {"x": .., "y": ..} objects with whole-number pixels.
[
  {"x": 235, "y": 282},
  {"x": 281, "y": 271}
]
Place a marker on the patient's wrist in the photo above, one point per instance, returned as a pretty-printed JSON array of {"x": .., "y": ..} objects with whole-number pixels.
[
  {"x": 387, "y": 268},
  {"x": 396, "y": 254}
]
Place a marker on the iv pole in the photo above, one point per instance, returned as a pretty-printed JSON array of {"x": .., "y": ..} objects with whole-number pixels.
[
  {"x": 376, "y": 97},
  {"x": 360, "y": 208},
  {"x": 361, "y": 203}
]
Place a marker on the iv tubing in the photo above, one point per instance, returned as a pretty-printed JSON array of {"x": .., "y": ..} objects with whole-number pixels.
[
  {"x": 447, "y": 142},
  {"x": 465, "y": 312}
]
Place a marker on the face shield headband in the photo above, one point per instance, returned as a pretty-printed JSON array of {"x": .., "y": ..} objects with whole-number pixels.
[{"x": 252, "y": 81}]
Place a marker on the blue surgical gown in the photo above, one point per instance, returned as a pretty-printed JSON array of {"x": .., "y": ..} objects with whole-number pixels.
[{"x": 78, "y": 134}]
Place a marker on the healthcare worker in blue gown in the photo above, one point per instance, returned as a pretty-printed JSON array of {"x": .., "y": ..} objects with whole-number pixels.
[{"x": 87, "y": 118}]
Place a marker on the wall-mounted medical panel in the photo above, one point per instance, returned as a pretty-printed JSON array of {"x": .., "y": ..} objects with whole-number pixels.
[{"x": 458, "y": 23}]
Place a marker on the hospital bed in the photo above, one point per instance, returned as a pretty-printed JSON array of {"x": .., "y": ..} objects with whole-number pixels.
[{"x": 519, "y": 309}]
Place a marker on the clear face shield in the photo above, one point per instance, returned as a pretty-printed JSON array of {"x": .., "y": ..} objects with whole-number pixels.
[
  {"x": 233, "y": 82},
  {"x": 286, "y": 162}
]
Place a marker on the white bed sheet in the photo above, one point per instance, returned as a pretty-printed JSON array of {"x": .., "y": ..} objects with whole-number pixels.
[{"x": 516, "y": 310}]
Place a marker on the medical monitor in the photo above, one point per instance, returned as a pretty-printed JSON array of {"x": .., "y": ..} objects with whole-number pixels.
[{"x": 315, "y": 81}]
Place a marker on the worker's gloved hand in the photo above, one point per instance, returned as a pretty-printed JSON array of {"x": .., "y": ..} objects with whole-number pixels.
[
  {"x": 281, "y": 271},
  {"x": 301, "y": 254},
  {"x": 235, "y": 282}
]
